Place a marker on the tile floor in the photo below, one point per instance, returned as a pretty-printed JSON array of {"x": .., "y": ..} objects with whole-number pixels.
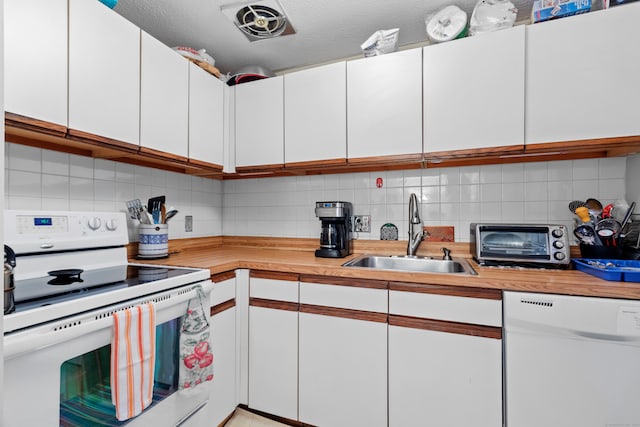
[{"x": 243, "y": 418}]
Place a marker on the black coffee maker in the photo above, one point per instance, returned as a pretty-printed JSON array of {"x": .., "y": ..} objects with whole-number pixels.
[{"x": 335, "y": 237}]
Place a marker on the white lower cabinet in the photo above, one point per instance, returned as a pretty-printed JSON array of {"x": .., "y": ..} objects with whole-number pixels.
[
  {"x": 444, "y": 372},
  {"x": 343, "y": 360},
  {"x": 273, "y": 346},
  {"x": 222, "y": 400}
]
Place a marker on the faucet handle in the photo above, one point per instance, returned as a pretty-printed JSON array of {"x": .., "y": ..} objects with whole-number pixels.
[{"x": 447, "y": 254}]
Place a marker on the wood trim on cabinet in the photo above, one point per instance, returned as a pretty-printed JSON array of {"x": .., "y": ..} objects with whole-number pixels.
[
  {"x": 457, "y": 291},
  {"x": 345, "y": 313},
  {"x": 82, "y": 136},
  {"x": 259, "y": 168},
  {"x": 401, "y": 158},
  {"x": 275, "y": 275},
  {"x": 445, "y": 326},
  {"x": 475, "y": 152},
  {"x": 164, "y": 155},
  {"x": 585, "y": 145},
  {"x": 276, "y": 305},
  {"x": 312, "y": 164},
  {"x": 206, "y": 165},
  {"x": 341, "y": 281},
  {"x": 223, "y": 306},
  {"x": 28, "y": 123},
  {"x": 221, "y": 277}
]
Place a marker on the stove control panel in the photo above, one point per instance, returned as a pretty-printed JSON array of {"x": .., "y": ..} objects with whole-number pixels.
[{"x": 38, "y": 231}]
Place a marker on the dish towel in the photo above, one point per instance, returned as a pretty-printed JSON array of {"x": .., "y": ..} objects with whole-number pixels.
[
  {"x": 133, "y": 349},
  {"x": 196, "y": 358}
]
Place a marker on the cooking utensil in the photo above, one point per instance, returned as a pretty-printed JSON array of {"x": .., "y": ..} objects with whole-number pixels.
[
  {"x": 608, "y": 231},
  {"x": 606, "y": 211},
  {"x": 154, "y": 206},
  {"x": 594, "y": 206},
  {"x": 575, "y": 205},
  {"x": 586, "y": 234},
  {"x": 135, "y": 208},
  {"x": 170, "y": 214},
  {"x": 583, "y": 213},
  {"x": 627, "y": 216}
]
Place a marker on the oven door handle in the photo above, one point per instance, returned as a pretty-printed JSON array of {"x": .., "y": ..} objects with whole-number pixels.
[{"x": 29, "y": 341}]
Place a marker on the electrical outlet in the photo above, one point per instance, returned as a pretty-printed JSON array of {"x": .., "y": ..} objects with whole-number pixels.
[
  {"x": 362, "y": 223},
  {"x": 188, "y": 223}
]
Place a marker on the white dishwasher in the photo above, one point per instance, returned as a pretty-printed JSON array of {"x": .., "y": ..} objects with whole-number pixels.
[{"x": 571, "y": 361}]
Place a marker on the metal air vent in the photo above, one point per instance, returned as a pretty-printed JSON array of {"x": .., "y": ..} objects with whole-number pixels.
[{"x": 259, "y": 20}]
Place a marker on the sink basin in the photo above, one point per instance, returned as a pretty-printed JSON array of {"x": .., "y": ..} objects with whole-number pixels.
[{"x": 412, "y": 264}]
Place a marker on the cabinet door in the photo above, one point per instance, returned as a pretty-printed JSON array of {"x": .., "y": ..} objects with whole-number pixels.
[
  {"x": 315, "y": 114},
  {"x": 104, "y": 72},
  {"x": 343, "y": 372},
  {"x": 223, "y": 343},
  {"x": 223, "y": 388},
  {"x": 582, "y": 76},
  {"x": 259, "y": 123},
  {"x": 445, "y": 379},
  {"x": 206, "y": 116},
  {"x": 35, "y": 61},
  {"x": 384, "y": 105},
  {"x": 474, "y": 92},
  {"x": 273, "y": 346},
  {"x": 164, "y": 98}
]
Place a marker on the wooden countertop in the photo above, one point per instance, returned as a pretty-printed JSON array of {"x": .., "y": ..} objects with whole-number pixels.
[{"x": 223, "y": 254}]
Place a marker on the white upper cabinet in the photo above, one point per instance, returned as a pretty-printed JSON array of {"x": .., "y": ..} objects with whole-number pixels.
[
  {"x": 315, "y": 114},
  {"x": 582, "y": 76},
  {"x": 164, "y": 98},
  {"x": 35, "y": 59},
  {"x": 259, "y": 122},
  {"x": 474, "y": 92},
  {"x": 384, "y": 105},
  {"x": 206, "y": 116},
  {"x": 104, "y": 72}
]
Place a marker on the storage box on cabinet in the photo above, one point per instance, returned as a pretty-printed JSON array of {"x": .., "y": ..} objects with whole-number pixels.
[
  {"x": 273, "y": 343},
  {"x": 343, "y": 352}
]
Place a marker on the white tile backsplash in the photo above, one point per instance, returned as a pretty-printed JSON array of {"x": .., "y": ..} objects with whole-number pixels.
[
  {"x": 44, "y": 179},
  {"x": 284, "y": 207}
]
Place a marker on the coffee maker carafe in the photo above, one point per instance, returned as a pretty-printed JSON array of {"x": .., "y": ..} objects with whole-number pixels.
[{"x": 335, "y": 236}]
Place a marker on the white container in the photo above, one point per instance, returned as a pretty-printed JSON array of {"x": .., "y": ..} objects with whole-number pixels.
[{"x": 153, "y": 241}]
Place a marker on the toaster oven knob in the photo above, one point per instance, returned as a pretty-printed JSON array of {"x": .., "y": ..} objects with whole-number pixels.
[
  {"x": 558, "y": 244},
  {"x": 112, "y": 224},
  {"x": 559, "y": 256},
  {"x": 557, "y": 233}
]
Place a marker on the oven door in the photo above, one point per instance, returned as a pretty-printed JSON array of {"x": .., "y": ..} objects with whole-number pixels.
[{"x": 58, "y": 374}]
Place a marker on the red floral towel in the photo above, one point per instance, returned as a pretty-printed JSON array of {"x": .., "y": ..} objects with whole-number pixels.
[{"x": 196, "y": 366}]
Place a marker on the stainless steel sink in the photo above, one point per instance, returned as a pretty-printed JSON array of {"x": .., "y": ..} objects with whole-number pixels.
[{"x": 412, "y": 264}]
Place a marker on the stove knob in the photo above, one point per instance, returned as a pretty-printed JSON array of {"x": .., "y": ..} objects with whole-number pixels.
[
  {"x": 558, "y": 244},
  {"x": 94, "y": 223},
  {"x": 112, "y": 224},
  {"x": 559, "y": 256}
]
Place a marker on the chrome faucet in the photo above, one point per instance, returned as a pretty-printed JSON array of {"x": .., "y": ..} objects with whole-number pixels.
[{"x": 415, "y": 236}]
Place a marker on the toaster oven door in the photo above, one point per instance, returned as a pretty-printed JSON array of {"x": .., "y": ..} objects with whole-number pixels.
[{"x": 521, "y": 243}]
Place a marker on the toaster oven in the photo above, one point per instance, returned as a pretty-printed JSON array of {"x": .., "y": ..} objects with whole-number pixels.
[{"x": 538, "y": 245}]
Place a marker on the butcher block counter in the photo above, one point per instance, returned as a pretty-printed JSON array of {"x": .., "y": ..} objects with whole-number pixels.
[{"x": 291, "y": 255}]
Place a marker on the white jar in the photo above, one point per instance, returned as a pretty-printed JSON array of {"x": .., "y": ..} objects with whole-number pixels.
[{"x": 153, "y": 241}]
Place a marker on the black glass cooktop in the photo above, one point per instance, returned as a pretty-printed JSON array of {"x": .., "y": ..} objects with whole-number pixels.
[{"x": 69, "y": 284}]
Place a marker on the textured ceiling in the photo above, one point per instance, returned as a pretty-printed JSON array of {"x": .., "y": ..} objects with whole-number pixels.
[{"x": 326, "y": 30}]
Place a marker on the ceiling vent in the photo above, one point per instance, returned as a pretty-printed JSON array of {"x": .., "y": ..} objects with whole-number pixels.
[{"x": 259, "y": 20}]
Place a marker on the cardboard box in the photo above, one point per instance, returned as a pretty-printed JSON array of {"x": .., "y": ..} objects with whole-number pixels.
[{"x": 544, "y": 10}]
